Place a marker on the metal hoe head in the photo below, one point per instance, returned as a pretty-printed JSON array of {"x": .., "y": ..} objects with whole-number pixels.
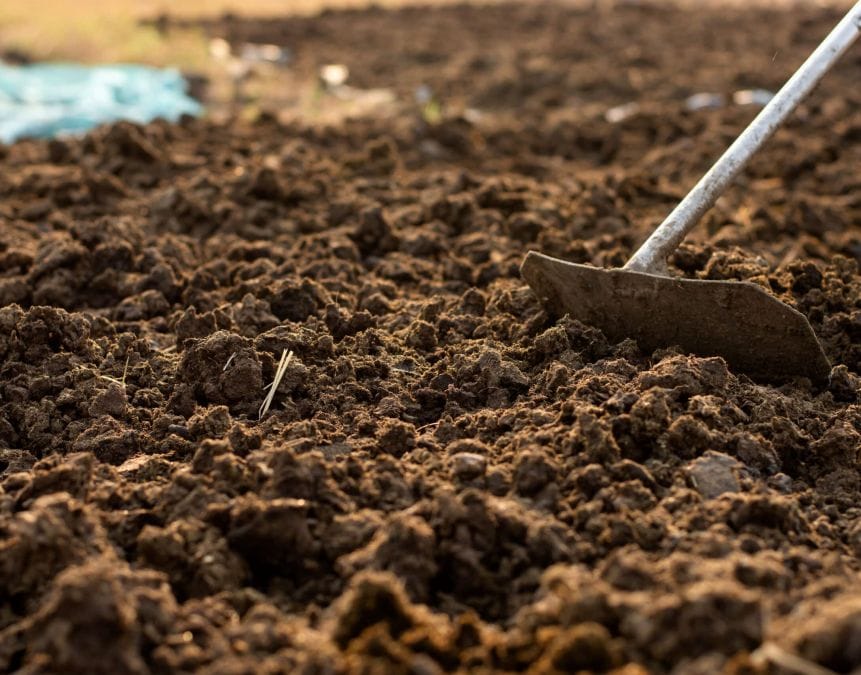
[
  {"x": 739, "y": 321},
  {"x": 754, "y": 332}
]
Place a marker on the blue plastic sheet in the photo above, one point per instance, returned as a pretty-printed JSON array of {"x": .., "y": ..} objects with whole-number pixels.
[{"x": 48, "y": 100}]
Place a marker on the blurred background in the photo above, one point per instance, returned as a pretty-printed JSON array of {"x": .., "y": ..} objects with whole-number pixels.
[
  {"x": 189, "y": 37},
  {"x": 323, "y": 60},
  {"x": 117, "y": 30}
]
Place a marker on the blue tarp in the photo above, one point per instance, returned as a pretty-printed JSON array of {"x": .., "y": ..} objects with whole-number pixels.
[{"x": 48, "y": 100}]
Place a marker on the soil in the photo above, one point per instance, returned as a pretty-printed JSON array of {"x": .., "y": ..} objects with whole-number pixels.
[{"x": 448, "y": 478}]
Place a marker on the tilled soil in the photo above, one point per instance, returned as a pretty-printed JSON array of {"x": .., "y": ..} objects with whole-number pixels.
[{"x": 447, "y": 478}]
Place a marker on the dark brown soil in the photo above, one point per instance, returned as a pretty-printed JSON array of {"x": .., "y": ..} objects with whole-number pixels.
[{"x": 447, "y": 478}]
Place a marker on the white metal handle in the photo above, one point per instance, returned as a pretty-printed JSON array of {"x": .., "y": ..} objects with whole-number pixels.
[{"x": 652, "y": 255}]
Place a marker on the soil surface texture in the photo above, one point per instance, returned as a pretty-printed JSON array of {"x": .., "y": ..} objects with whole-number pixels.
[{"x": 447, "y": 478}]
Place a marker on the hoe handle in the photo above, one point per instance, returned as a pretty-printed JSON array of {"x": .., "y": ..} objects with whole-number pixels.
[{"x": 652, "y": 255}]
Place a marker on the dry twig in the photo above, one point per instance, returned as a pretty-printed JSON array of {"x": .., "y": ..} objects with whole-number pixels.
[{"x": 273, "y": 386}]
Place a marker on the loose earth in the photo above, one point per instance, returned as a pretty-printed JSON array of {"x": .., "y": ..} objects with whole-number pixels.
[{"x": 448, "y": 479}]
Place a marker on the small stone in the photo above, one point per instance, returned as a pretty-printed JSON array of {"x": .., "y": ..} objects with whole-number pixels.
[
  {"x": 713, "y": 474},
  {"x": 756, "y": 452},
  {"x": 468, "y": 466}
]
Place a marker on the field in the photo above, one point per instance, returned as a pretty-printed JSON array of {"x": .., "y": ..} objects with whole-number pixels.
[
  {"x": 97, "y": 31},
  {"x": 446, "y": 478}
]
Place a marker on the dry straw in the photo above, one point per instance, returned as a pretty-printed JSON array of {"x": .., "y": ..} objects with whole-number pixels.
[{"x": 273, "y": 386}]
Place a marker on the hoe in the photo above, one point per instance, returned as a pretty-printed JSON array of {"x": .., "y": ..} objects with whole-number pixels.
[{"x": 753, "y": 331}]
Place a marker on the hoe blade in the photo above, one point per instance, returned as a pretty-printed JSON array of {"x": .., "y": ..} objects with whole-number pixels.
[{"x": 755, "y": 333}]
